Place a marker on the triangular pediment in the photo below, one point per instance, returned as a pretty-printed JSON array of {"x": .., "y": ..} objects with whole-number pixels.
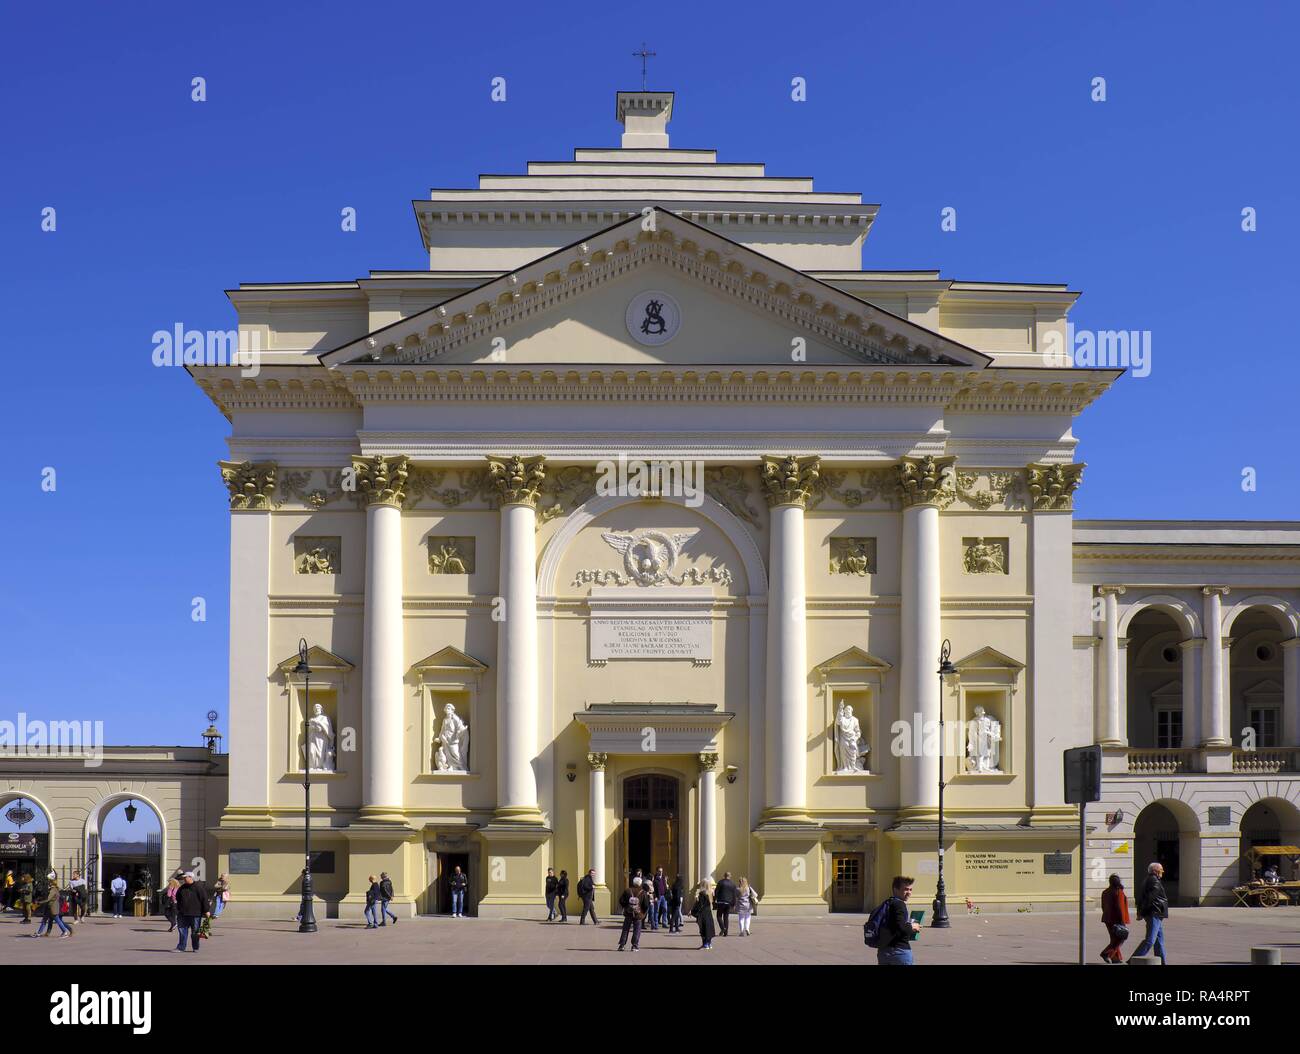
[
  {"x": 853, "y": 659},
  {"x": 319, "y": 660},
  {"x": 725, "y": 304},
  {"x": 988, "y": 659},
  {"x": 1267, "y": 687},
  {"x": 449, "y": 658}
]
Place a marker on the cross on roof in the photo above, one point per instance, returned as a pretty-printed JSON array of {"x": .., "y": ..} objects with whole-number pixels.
[{"x": 643, "y": 55}]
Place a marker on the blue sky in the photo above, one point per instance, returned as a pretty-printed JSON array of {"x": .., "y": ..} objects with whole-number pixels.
[{"x": 162, "y": 203}]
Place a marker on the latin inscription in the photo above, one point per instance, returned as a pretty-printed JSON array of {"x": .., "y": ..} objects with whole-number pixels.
[{"x": 661, "y": 637}]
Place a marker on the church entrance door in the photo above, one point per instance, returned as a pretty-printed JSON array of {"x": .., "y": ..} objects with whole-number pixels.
[{"x": 651, "y": 826}]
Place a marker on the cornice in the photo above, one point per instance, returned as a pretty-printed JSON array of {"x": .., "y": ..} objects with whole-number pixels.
[{"x": 1186, "y": 553}]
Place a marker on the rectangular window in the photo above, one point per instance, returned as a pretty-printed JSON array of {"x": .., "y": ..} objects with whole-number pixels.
[
  {"x": 1169, "y": 728},
  {"x": 1263, "y": 719}
]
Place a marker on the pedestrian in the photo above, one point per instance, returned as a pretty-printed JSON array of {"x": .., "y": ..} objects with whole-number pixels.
[
  {"x": 385, "y": 898},
  {"x": 724, "y": 899},
  {"x": 703, "y": 912},
  {"x": 8, "y": 901},
  {"x": 891, "y": 926},
  {"x": 552, "y": 883},
  {"x": 77, "y": 895},
  {"x": 659, "y": 916},
  {"x": 676, "y": 894},
  {"x": 562, "y": 895},
  {"x": 587, "y": 893},
  {"x": 118, "y": 888},
  {"x": 1114, "y": 916},
  {"x": 634, "y": 903},
  {"x": 169, "y": 903},
  {"x": 1153, "y": 907},
  {"x": 372, "y": 904},
  {"x": 26, "y": 898},
  {"x": 193, "y": 905},
  {"x": 746, "y": 905},
  {"x": 459, "y": 883},
  {"x": 51, "y": 913},
  {"x": 220, "y": 893}
]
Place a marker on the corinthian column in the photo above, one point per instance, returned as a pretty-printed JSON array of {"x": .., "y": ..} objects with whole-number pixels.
[
  {"x": 787, "y": 482},
  {"x": 920, "y": 481},
  {"x": 517, "y": 480},
  {"x": 382, "y": 481},
  {"x": 1214, "y": 722},
  {"x": 596, "y": 814},
  {"x": 708, "y": 815}
]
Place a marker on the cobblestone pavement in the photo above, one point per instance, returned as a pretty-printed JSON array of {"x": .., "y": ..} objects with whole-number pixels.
[{"x": 1195, "y": 935}]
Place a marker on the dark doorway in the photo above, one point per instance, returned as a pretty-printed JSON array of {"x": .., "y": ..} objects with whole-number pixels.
[
  {"x": 447, "y": 864},
  {"x": 847, "y": 885},
  {"x": 651, "y": 825}
]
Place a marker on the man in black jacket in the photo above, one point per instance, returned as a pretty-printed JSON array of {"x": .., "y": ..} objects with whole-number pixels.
[
  {"x": 587, "y": 891},
  {"x": 192, "y": 904},
  {"x": 1153, "y": 905},
  {"x": 899, "y": 929},
  {"x": 562, "y": 895},
  {"x": 724, "y": 899},
  {"x": 385, "y": 898},
  {"x": 552, "y": 884}
]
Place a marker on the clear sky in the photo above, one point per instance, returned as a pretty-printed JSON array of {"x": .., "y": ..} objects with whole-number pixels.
[{"x": 162, "y": 203}]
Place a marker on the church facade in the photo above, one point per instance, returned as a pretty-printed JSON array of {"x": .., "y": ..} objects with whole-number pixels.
[{"x": 629, "y": 533}]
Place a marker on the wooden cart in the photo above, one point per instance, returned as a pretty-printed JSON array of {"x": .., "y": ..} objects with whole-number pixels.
[{"x": 1270, "y": 894}]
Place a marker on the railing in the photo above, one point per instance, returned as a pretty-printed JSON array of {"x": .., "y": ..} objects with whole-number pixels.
[
  {"x": 1161, "y": 761},
  {"x": 1263, "y": 761}
]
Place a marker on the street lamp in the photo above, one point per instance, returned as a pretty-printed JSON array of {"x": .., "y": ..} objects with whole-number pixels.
[
  {"x": 939, "y": 915},
  {"x": 306, "y": 916}
]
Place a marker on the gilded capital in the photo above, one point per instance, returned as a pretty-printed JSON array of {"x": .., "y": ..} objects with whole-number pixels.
[
  {"x": 920, "y": 479},
  {"x": 251, "y": 483},
  {"x": 789, "y": 480},
  {"x": 381, "y": 478},
  {"x": 1053, "y": 486},
  {"x": 597, "y": 761},
  {"x": 517, "y": 479},
  {"x": 708, "y": 761}
]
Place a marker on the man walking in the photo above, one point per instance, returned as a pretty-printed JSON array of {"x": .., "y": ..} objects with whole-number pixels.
[
  {"x": 896, "y": 927},
  {"x": 118, "y": 888},
  {"x": 724, "y": 899},
  {"x": 192, "y": 905},
  {"x": 385, "y": 896},
  {"x": 587, "y": 891},
  {"x": 552, "y": 883},
  {"x": 633, "y": 902},
  {"x": 659, "y": 891},
  {"x": 562, "y": 895},
  {"x": 372, "y": 903},
  {"x": 1153, "y": 906},
  {"x": 459, "y": 883}
]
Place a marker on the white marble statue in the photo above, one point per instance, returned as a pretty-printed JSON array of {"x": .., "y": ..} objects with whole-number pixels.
[
  {"x": 983, "y": 742},
  {"x": 850, "y": 750},
  {"x": 320, "y": 741},
  {"x": 452, "y": 754}
]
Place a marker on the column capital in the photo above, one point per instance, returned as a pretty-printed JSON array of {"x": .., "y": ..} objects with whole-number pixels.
[
  {"x": 517, "y": 479},
  {"x": 920, "y": 479},
  {"x": 250, "y": 483},
  {"x": 708, "y": 760},
  {"x": 597, "y": 761},
  {"x": 789, "y": 480},
  {"x": 1111, "y": 590},
  {"x": 1210, "y": 591},
  {"x": 382, "y": 478},
  {"x": 1053, "y": 486}
]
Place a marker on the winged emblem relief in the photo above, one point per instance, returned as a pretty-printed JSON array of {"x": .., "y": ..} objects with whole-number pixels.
[{"x": 650, "y": 559}]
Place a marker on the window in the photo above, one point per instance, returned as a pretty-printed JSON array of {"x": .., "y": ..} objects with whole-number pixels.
[
  {"x": 1263, "y": 719},
  {"x": 1169, "y": 728}
]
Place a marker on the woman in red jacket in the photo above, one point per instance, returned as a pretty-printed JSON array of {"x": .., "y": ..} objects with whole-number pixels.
[{"x": 1114, "y": 916}]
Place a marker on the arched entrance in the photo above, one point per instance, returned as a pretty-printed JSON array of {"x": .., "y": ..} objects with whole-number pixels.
[
  {"x": 1166, "y": 832},
  {"x": 1270, "y": 822},
  {"x": 652, "y": 824},
  {"x": 125, "y": 835},
  {"x": 25, "y": 836}
]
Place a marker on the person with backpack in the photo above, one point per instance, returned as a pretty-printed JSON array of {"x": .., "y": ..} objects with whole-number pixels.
[
  {"x": 634, "y": 901},
  {"x": 587, "y": 892},
  {"x": 385, "y": 896},
  {"x": 1153, "y": 907},
  {"x": 703, "y": 912},
  {"x": 1114, "y": 916},
  {"x": 53, "y": 911},
  {"x": 459, "y": 882},
  {"x": 890, "y": 929}
]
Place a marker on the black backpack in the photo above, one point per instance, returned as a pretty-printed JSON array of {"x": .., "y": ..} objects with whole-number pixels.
[{"x": 873, "y": 930}]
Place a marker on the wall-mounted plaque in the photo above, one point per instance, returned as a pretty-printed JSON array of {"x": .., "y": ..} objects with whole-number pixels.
[
  {"x": 1220, "y": 815},
  {"x": 985, "y": 556},
  {"x": 245, "y": 861},
  {"x": 1057, "y": 863}
]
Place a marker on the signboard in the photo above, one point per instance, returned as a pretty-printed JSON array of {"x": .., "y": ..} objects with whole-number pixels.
[
  {"x": 17, "y": 845},
  {"x": 651, "y": 637},
  {"x": 1220, "y": 815},
  {"x": 20, "y": 814},
  {"x": 1083, "y": 775},
  {"x": 245, "y": 861},
  {"x": 1058, "y": 864}
]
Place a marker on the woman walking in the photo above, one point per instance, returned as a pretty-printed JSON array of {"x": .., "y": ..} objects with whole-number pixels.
[
  {"x": 219, "y": 891},
  {"x": 52, "y": 913},
  {"x": 372, "y": 904},
  {"x": 703, "y": 912},
  {"x": 169, "y": 903},
  {"x": 1114, "y": 916},
  {"x": 746, "y": 905}
]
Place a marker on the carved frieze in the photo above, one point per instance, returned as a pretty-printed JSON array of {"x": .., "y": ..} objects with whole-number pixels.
[
  {"x": 451, "y": 554},
  {"x": 853, "y": 556},
  {"x": 730, "y": 487},
  {"x": 251, "y": 484},
  {"x": 317, "y": 556},
  {"x": 649, "y": 558}
]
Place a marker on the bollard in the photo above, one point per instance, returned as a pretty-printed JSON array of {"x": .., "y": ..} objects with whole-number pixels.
[
  {"x": 1145, "y": 960},
  {"x": 1266, "y": 956}
]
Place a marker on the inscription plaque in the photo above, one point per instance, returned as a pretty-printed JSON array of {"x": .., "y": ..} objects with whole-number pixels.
[{"x": 651, "y": 637}]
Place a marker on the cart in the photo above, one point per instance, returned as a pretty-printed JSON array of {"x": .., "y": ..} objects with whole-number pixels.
[{"x": 1269, "y": 894}]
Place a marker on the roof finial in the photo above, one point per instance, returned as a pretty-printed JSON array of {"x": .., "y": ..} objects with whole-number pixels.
[{"x": 643, "y": 55}]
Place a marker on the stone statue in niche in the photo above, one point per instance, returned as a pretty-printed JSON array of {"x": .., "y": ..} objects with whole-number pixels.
[
  {"x": 853, "y": 556},
  {"x": 985, "y": 556},
  {"x": 451, "y": 556},
  {"x": 451, "y": 752},
  {"x": 850, "y": 750},
  {"x": 983, "y": 742},
  {"x": 320, "y": 741}
]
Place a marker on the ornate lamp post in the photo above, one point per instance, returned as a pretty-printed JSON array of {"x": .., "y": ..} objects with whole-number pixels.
[
  {"x": 306, "y": 916},
  {"x": 939, "y": 917}
]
